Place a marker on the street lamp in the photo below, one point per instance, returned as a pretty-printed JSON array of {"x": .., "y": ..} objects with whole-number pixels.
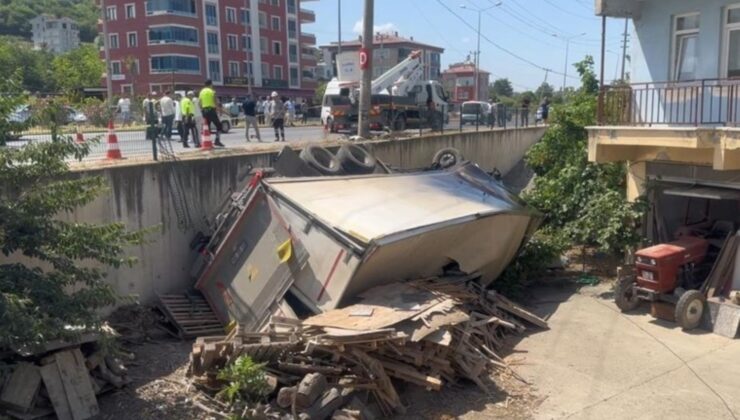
[
  {"x": 477, "y": 52},
  {"x": 567, "y": 44}
]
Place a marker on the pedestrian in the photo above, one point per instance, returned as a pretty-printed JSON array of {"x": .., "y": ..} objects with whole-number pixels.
[
  {"x": 233, "y": 109},
  {"x": 261, "y": 110},
  {"x": 124, "y": 108},
  {"x": 167, "y": 107},
  {"x": 250, "y": 117},
  {"x": 304, "y": 113},
  {"x": 187, "y": 109},
  {"x": 525, "y": 112},
  {"x": 277, "y": 115},
  {"x": 198, "y": 114},
  {"x": 492, "y": 112},
  {"x": 501, "y": 114},
  {"x": 209, "y": 108},
  {"x": 268, "y": 110},
  {"x": 545, "y": 109},
  {"x": 150, "y": 115},
  {"x": 178, "y": 115},
  {"x": 290, "y": 111}
]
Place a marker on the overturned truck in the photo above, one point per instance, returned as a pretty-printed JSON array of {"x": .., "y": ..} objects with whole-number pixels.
[{"x": 314, "y": 232}]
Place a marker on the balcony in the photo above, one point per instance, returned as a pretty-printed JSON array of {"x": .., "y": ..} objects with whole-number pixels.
[
  {"x": 694, "y": 122},
  {"x": 308, "y": 39},
  {"x": 619, "y": 8},
  {"x": 306, "y": 16}
]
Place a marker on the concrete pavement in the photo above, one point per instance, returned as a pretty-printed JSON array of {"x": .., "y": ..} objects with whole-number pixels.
[{"x": 597, "y": 363}]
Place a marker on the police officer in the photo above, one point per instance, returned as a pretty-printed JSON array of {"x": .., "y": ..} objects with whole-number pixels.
[
  {"x": 209, "y": 107},
  {"x": 188, "y": 120}
]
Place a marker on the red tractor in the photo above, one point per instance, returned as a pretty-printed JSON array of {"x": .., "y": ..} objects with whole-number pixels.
[{"x": 674, "y": 272}]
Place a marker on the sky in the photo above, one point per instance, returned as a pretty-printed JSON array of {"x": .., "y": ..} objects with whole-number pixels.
[{"x": 519, "y": 38}]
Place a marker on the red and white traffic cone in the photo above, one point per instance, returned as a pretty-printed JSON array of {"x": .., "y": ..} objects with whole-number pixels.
[
  {"x": 113, "y": 151},
  {"x": 79, "y": 139},
  {"x": 206, "y": 143}
]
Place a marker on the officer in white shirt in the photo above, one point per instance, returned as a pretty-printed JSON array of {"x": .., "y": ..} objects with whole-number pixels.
[{"x": 167, "y": 107}]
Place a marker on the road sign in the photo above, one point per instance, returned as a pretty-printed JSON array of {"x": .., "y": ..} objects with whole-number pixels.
[{"x": 364, "y": 64}]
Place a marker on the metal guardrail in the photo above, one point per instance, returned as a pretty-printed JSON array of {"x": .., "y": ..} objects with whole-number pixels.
[{"x": 710, "y": 102}]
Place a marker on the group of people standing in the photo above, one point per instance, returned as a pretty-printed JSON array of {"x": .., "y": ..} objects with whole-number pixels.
[
  {"x": 499, "y": 113},
  {"x": 188, "y": 114}
]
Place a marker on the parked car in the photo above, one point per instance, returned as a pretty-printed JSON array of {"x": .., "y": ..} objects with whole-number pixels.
[{"x": 475, "y": 112}]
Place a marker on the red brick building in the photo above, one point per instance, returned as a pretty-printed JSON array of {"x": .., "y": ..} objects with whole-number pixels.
[
  {"x": 459, "y": 82},
  {"x": 177, "y": 44}
]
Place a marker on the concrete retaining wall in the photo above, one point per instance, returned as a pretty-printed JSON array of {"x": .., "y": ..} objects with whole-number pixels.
[{"x": 141, "y": 196}]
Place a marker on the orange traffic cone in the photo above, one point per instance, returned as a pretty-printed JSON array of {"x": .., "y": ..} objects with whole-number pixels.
[
  {"x": 206, "y": 143},
  {"x": 113, "y": 151},
  {"x": 79, "y": 139}
]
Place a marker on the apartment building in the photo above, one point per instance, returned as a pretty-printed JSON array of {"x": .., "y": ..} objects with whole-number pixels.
[
  {"x": 242, "y": 45},
  {"x": 388, "y": 50},
  {"x": 57, "y": 35}
]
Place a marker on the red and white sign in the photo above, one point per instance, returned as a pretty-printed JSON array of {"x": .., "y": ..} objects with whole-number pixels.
[{"x": 364, "y": 62}]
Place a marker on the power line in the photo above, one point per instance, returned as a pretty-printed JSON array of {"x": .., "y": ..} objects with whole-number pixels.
[
  {"x": 567, "y": 12},
  {"x": 507, "y": 51}
]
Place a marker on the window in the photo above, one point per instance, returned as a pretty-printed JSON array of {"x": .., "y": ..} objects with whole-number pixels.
[
  {"x": 115, "y": 67},
  {"x": 113, "y": 41},
  {"x": 173, "y": 35},
  {"x": 247, "y": 42},
  {"x": 685, "y": 40},
  {"x": 291, "y": 6},
  {"x": 230, "y": 15},
  {"x": 130, "y": 10},
  {"x": 212, "y": 43},
  {"x": 174, "y": 7},
  {"x": 278, "y": 72},
  {"x": 211, "y": 15},
  {"x": 248, "y": 68},
  {"x": 234, "y": 68},
  {"x": 731, "y": 42},
  {"x": 110, "y": 13},
  {"x": 132, "y": 38},
  {"x": 275, "y": 2},
  {"x": 292, "y": 29},
  {"x": 245, "y": 17},
  {"x": 231, "y": 42},
  {"x": 275, "y": 23},
  {"x": 214, "y": 70},
  {"x": 263, "y": 20},
  {"x": 263, "y": 45},
  {"x": 265, "y": 70},
  {"x": 293, "y": 53},
  {"x": 127, "y": 89},
  {"x": 175, "y": 63},
  {"x": 294, "y": 76},
  {"x": 276, "y": 48},
  {"x": 133, "y": 67}
]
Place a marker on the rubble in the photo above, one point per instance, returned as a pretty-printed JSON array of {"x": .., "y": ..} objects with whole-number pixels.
[{"x": 430, "y": 332}]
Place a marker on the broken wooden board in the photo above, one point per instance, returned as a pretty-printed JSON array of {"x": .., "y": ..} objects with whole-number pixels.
[
  {"x": 77, "y": 385},
  {"x": 21, "y": 390},
  {"x": 55, "y": 391},
  {"x": 516, "y": 310},
  {"x": 191, "y": 314}
]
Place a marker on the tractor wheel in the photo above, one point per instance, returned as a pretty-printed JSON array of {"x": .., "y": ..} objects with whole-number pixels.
[
  {"x": 689, "y": 309},
  {"x": 624, "y": 295}
]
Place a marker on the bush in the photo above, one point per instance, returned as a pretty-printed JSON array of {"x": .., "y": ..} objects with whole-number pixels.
[
  {"x": 246, "y": 381},
  {"x": 98, "y": 112}
]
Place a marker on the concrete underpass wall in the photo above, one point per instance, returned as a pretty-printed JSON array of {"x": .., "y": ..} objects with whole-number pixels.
[{"x": 141, "y": 196}]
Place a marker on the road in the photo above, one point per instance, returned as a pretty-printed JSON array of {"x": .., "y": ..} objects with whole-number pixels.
[{"x": 134, "y": 146}]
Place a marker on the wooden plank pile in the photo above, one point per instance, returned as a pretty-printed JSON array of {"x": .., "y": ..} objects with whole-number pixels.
[
  {"x": 428, "y": 332},
  {"x": 64, "y": 381}
]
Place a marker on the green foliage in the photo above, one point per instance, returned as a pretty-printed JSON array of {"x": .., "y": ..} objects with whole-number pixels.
[
  {"x": 502, "y": 87},
  {"x": 11, "y": 98},
  {"x": 77, "y": 68},
  {"x": 545, "y": 90},
  {"x": 18, "y": 55},
  {"x": 98, "y": 112},
  {"x": 584, "y": 202},
  {"x": 530, "y": 265},
  {"x": 246, "y": 381},
  {"x": 15, "y": 15},
  {"x": 54, "y": 285},
  {"x": 318, "y": 96}
]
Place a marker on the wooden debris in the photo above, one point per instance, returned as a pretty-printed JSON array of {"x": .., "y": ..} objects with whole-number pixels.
[
  {"x": 312, "y": 386},
  {"x": 190, "y": 314},
  {"x": 22, "y": 389}
]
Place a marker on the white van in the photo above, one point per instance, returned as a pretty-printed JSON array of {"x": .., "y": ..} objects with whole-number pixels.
[{"x": 475, "y": 111}]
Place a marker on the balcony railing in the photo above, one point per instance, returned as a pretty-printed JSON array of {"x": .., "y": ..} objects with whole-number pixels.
[{"x": 709, "y": 102}]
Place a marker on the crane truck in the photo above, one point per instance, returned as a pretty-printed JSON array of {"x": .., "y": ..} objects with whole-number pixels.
[{"x": 399, "y": 99}]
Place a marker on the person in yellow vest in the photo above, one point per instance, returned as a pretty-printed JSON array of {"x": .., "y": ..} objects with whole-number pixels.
[
  {"x": 187, "y": 109},
  {"x": 209, "y": 108}
]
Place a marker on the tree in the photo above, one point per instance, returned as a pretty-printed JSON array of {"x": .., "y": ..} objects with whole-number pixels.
[
  {"x": 77, "y": 68},
  {"x": 318, "y": 96},
  {"x": 58, "y": 288},
  {"x": 15, "y": 15},
  {"x": 544, "y": 90},
  {"x": 502, "y": 87},
  {"x": 11, "y": 98},
  {"x": 18, "y": 54}
]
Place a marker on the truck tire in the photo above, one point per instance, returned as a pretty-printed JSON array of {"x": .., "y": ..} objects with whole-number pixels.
[
  {"x": 356, "y": 160},
  {"x": 624, "y": 295},
  {"x": 321, "y": 159},
  {"x": 447, "y": 158},
  {"x": 225, "y": 127},
  {"x": 399, "y": 123},
  {"x": 689, "y": 309}
]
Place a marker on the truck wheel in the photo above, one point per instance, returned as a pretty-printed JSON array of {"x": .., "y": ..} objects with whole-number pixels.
[
  {"x": 225, "y": 127},
  {"x": 624, "y": 295},
  {"x": 321, "y": 159},
  {"x": 447, "y": 158},
  {"x": 689, "y": 309},
  {"x": 399, "y": 123},
  {"x": 355, "y": 159}
]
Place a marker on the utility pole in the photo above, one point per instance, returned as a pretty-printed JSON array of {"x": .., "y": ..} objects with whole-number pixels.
[
  {"x": 624, "y": 46},
  {"x": 246, "y": 47},
  {"x": 339, "y": 27},
  {"x": 567, "y": 46},
  {"x": 106, "y": 50},
  {"x": 363, "y": 129},
  {"x": 477, "y": 51}
]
